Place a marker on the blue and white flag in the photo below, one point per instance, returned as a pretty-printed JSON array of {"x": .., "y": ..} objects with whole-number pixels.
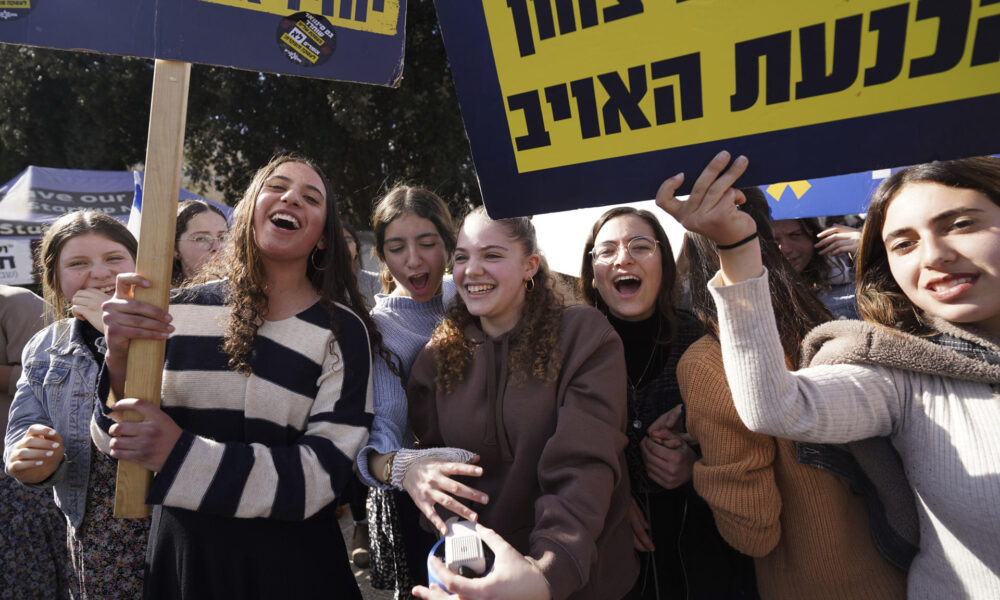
[{"x": 135, "y": 215}]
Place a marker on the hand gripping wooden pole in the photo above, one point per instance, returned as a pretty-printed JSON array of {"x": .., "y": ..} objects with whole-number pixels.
[{"x": 161, "y": 186}]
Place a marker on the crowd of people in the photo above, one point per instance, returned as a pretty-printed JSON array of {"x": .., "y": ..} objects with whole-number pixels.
[{"x": 788, "y": 410}]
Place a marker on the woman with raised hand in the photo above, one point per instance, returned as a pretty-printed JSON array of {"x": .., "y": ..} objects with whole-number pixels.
[
  {"x": 536, "y": 391},
  {"x": 823, "y": 258},
  {"x": 265, "y": 403},
  {"x": 48, "y": 441},
  {"x": 628, "y": 273},
  {"x": 922, "y": 369},
  {"x": 414, "y": 236},
  {"x": 790, "y": 505}
]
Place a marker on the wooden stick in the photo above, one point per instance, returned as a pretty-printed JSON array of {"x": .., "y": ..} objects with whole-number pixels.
[{"x": 161, "y": 186}]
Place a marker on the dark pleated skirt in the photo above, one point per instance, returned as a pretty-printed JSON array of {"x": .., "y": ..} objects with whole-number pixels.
[{"x": 194, "y": 556}]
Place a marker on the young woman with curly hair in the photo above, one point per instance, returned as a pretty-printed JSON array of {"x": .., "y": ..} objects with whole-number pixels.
[
  {"x": 922, "y": 369},
  {"x": 266, "y": 401},
  {"x": 534, "y": 390}
]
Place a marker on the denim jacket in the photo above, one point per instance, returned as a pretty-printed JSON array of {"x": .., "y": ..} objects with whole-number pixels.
[{"x": 57, "y": 388}]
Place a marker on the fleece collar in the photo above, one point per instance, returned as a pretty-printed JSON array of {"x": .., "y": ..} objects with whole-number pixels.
[{"x": 860, "y": 342}]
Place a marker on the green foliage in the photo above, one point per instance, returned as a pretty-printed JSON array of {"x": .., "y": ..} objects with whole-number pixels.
[{"x": 89, "y": 111}]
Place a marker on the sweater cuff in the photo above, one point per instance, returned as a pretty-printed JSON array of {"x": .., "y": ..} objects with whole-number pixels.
[{"x": 558, "y": 567}]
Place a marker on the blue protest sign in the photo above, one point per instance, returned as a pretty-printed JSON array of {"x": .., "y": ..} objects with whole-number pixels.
[
  {"x": 347, "y": 40},
  {"x": 574, "y": 103}
]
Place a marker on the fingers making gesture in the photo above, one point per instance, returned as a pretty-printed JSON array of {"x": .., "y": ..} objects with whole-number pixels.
[{"x": 712, "y": 210}]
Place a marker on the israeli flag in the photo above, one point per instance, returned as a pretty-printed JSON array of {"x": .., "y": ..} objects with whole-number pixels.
[{"x": 135, "y": 215}]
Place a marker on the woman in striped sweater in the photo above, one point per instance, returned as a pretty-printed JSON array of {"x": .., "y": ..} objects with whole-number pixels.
[{"x": 266, "y": 401}]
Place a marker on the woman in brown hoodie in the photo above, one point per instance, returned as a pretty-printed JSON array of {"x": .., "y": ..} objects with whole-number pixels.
[{"x": 536, "y": 390}]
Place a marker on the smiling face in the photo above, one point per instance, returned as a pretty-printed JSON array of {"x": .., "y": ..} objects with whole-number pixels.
[
  {"x": 628, "y": 287},
  {"x": 943, "y": 247},
  {"x": 193, "y": 254},
  {"x": 490, "y": 272},
  {"x": 794, "y": 241},
  {"x": 290, "y": 214},
  {"x": 91, "y": 261},
  {"x": 415, "y": 256}
]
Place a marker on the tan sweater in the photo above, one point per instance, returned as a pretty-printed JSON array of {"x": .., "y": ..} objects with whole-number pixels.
[{"x": 809, "y": 534}]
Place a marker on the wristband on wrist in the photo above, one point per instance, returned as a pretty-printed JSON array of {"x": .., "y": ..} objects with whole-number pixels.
[
  {"x": 745, "y": 240},
  {"x": 387, "y": 470}
]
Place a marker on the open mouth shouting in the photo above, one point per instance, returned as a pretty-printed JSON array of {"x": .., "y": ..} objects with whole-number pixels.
[
  {"x": 418, "y": 283},
  {"x": 285, "y": 221},
  {"x": 627, "y": 285}
]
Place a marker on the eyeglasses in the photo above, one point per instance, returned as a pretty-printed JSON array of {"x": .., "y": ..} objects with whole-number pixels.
[
  {"x": 639, "y": 248},
  {"x": 206, "y": 241}
]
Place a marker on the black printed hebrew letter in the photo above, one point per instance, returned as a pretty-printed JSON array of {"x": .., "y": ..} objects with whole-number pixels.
[
  {"x": 891, "y": 26},
  {"x": 846, "y": 54},
  {"x": 522, "y": 26},
  {"x": 623, "y": 100},
  {"x": 688, "y": 70},
  {"x": 776, "y": 50},
  {"x": 586, "y": 107},
  {"x": 537, "y": 136},
  {"x": 953, "y": 26}
]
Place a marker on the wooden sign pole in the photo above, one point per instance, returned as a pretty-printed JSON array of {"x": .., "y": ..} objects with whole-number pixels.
[{"x": 161, "y": 186}]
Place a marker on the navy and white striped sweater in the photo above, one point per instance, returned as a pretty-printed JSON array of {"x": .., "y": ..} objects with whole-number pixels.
[{"x": 279, "y": 443}]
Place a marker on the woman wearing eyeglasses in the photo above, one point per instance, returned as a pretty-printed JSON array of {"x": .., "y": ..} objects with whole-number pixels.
[
  {"x": 628, "y": 272},
  {"x": 201, "y": 231}
]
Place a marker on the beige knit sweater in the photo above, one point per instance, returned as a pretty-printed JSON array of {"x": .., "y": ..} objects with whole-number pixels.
[
  {"x": 808, "y": 532},
  {"x": 939, "y": 409}
]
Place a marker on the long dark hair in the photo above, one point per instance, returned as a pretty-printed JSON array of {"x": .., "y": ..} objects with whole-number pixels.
[
  {"x": 62, "y": 230},
  {"x": 880, "y": 299},
  {"x": 328, "y": 270},
  {"x": 403, "y": 200},
  {"x": 664, "y": 298},
  {"x": 796, "y": 309}
]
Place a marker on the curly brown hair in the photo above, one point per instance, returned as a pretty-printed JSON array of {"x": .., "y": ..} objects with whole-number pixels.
[
  {"x": 241, "y": 263},
  {"x": 880, "y": 299},
  {"x": 62, "y": 230},
  {"x": 534, "y": 351}
]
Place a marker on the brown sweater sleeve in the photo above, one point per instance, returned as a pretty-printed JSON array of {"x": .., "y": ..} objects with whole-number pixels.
[
  {"x": 422, "y": 408},
  {"x": 582, "y": 463},
  {"x": 735, "y": 475}
]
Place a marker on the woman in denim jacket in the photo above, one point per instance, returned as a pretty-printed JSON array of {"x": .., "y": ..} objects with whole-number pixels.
[{"x": 48, "y": 437}]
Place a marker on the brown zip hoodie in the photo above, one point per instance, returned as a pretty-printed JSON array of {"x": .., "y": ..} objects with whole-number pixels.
[{"x": 552, "y": 453}]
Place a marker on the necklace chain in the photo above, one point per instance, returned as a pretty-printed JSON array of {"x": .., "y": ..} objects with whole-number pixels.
[{"x": 649, "y": 361}]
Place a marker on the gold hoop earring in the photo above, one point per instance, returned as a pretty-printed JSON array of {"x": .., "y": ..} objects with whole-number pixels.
[
  {"x": 312, "y": 259},
  {"x": 529, "y": 284}
]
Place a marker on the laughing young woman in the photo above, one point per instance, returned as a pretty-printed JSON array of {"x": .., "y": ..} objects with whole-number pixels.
[
  {"x": 414, "y": 236},
  {"x": 535, "y": 390},
  {"x": 266, "y": 395},
  {"x": 628, "y": 273},
  {"x": 923, "y": 369}
]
